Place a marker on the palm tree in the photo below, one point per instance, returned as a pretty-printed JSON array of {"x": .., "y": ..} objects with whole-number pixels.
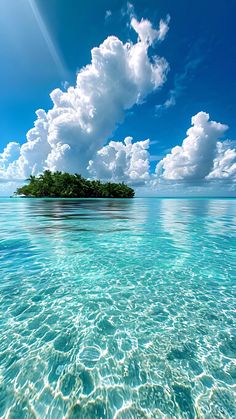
[{"x": 59, "y": 184}]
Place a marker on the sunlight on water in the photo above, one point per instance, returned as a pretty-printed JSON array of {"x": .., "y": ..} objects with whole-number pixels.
[{"x": 117, "y": 308}]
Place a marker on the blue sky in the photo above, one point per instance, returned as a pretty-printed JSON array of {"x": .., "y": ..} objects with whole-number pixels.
[{"x": 44, "y": 43}]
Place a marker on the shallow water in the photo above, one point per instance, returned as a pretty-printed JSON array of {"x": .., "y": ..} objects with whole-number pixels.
[{"x": 117, "y": 308}]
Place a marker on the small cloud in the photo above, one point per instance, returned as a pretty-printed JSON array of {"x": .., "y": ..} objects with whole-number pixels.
[
  {"x": 163, "y": 28},
  {"x": 156, "y": 157},
  {"x": 147, "y": 33},
  {"x": 108, "y": 14},
  {"x": 128, "y": 10},
  {"x": 153, "y": 142}
]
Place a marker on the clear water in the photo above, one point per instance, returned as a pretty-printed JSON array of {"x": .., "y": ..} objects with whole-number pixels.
[{"x": 117, "y": 308}]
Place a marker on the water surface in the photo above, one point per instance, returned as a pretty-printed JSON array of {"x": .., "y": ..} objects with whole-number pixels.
[{"x": 117, "y": 308}]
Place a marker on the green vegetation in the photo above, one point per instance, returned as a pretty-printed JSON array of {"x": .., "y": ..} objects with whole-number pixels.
[{"x": 63, "y": 185}]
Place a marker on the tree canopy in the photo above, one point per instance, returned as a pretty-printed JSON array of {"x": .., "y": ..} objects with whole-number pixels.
[{"x": 64, "y": 185}]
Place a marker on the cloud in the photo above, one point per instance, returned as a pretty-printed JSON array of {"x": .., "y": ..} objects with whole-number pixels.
[
  {"x": 147, "y": 33},
  {"x": 122, "y": 161},
  {"x": 83, "y": 117},
  {"x": 108, "y": 14},
  {"x": 72, "y": 136},
  {"x": 224, "y": 165},
  {"x": 128, "y": 10},
  {"x": 10, "y": 153},
  {"x": 34, "y": 152},
  {"x": 201, "y": 157}
]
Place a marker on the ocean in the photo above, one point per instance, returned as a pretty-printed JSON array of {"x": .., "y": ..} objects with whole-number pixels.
[{"x": 117, "y": 308}]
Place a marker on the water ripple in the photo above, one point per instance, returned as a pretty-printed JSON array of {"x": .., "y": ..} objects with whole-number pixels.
[{"x": 117, "y": 308}]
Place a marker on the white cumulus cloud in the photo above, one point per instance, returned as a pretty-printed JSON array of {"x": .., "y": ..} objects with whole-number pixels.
[
  {"x": 83, "y": 117},
  {"x": 10, "y": 153},
  {"x": 194, "y": 160},
  {"x": 224, "y": 165},
  {"x": 122, "y": 161}
]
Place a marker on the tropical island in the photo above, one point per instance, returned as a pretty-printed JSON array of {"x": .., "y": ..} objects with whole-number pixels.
[{"x": 64, "y": 185}]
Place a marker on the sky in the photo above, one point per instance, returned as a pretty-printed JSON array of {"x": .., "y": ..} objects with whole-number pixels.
[{"x": 141, "y": 92}]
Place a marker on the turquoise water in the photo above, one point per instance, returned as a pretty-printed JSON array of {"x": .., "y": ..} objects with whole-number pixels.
[{"x": 117, "y": 308}]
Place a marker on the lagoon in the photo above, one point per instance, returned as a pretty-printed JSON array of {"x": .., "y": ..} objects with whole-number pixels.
[{"x": 117, "y": 308}]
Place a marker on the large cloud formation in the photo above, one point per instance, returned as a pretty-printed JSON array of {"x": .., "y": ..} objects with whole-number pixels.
[
  {"x": 201, "y": 157},
  {"x": 82, "y": 118}
]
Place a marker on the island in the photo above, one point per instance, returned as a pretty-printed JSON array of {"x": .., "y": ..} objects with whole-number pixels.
[{"x": 64, "y": 185}]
